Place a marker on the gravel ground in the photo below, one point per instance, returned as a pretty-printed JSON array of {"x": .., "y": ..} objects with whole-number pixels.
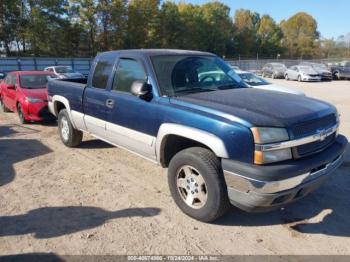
[{"x": 98, "y": 199}]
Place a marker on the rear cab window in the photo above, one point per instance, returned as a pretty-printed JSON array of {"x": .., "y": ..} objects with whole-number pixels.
[{"x": 102, "y": 72}]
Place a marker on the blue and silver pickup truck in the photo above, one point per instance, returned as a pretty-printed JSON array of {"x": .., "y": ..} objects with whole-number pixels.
[{"x": 222, "y": 141}]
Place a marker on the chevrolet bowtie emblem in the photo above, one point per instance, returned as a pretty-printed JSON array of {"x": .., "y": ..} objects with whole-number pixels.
[{"x": 323, "y": 133}]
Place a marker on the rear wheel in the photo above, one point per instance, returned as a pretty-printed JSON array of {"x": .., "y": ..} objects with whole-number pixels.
[
  {"x": 3, "y": 107},
  {"x": 197, "y": 184},
  {"x": 70, "y": 136},
  {"x": 21, "y": 114}
]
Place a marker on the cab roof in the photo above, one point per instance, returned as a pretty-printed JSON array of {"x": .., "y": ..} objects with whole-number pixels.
[{"x": 155, "y": 52}]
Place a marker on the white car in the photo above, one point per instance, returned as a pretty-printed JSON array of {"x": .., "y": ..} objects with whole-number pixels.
[
  {"x": 63, "y": 72},
  {"x": 302, "y": 73},
  {"x": 258, "y": 82}
]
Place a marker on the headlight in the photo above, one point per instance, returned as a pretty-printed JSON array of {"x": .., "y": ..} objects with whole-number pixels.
[
  {"x": 264, "y": 135},
  {"x": 34, "y": 100},
  {"x": 272, "y": 156}
]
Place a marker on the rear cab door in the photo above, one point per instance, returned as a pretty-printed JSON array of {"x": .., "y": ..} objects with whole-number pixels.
[{"x": 96, "y": 102}]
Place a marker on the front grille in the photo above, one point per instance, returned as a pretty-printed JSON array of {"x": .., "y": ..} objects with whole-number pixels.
[
  {"x": 310, "y": 128},
  {"x": 313, "y": 75},
  {"x": 314, "y": 147}
]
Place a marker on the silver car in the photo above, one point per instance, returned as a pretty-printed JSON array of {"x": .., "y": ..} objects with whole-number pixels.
[
  {"x": 302, "y": 73},
  {"x": 321, "y": 69},
  {"x": 63, "y": 72},
  {"x": 260, "y": 83}
]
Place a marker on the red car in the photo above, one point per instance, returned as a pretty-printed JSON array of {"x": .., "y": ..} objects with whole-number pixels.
[{"x": 25, "y": 92}]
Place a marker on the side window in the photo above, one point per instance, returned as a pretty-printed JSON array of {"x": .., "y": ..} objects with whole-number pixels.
[
  {"x": 102, "y": 71},
  {"x": 128, "y": 71}
]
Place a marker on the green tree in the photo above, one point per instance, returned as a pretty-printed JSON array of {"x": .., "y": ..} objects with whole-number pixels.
[
  {"x": 300, "y": 35},
  {"x": 269, "y": 36},
  {"x": 143, "y": 21},
  {"x": 9, "y": 11},
  {"x": 171, "y": 27},
  {"x": 246, "y": 24},
  {"x": 218, "y": 28}
]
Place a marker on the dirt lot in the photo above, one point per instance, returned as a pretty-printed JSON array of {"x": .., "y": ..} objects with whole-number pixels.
[{"x": 98, "y": 199}]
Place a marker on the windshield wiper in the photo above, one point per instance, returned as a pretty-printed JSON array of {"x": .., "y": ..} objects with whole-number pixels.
[
  {"x": 195, "y": 90},
  {"x": 229, "y": 86}
]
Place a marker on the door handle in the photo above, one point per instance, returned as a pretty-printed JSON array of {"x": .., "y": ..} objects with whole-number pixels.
[{"x": 110, "y": 103}]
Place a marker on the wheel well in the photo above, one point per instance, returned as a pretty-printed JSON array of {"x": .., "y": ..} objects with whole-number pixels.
[
  {"x": 59, "y": 106},
  {"x": 173, "y": 144}
]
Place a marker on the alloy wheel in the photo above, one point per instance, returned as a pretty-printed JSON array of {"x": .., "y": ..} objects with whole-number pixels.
[{"x": 192, "y": 187}]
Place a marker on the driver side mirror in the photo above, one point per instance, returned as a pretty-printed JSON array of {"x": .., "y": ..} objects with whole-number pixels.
[
  {"x": 141, "y": 89},
  {"x": 11, "y": 87}
]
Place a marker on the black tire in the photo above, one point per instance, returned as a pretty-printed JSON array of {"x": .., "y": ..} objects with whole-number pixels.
[
  {"x": 3, "y": 107},
  {"x": 72, "y": 137},
  {"x": 21, "y": 115},
  {"x": 208, "y": 165},
  {"x": 286, "y": 77},
  {"x": 299, "y": 78}
]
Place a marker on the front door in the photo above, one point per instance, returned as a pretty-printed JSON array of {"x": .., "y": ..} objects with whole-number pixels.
[{"x": 131, "y": 124}]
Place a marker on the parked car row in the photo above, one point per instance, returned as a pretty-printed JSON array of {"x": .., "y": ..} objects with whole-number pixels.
[{"x": 307, "y": 71}]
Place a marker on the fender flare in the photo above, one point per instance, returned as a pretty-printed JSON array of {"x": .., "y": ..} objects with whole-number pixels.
[
  {"x": 63, "y": 100},
  {"x": 211, "y": 141}
]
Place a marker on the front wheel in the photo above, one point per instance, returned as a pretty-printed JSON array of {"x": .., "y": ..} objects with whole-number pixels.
[
  {"x": 21, "y": 114},
  {"x": 197, "y": 184},
  {"x": 70, "y": 136}
]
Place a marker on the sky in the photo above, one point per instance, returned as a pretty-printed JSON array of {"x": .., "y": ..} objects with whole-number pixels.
[{"x": 333, "y": 17}]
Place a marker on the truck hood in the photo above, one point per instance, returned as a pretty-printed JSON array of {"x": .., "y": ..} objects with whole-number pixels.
[
  {"x": 255, "y": 107},
  {"x": 40, "y": 93}
]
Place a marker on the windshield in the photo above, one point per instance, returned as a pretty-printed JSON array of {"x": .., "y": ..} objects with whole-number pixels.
[
  {"x": 181, "y": 75},
  {"x": 306, "y": 69},
  {"x": 253, "y": 80},
  {"x": 33, "y": 81},
  {"x": 64, "y": 69}
]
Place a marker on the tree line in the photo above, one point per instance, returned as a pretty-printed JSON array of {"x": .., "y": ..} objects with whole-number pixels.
[{"x": 82, "y": 28}]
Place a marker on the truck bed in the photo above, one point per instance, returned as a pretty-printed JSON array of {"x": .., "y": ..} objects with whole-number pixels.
[{"x": 72, "y": 90}]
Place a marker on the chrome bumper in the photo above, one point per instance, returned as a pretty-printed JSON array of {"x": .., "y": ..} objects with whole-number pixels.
[{"x": 244, "y": 184}]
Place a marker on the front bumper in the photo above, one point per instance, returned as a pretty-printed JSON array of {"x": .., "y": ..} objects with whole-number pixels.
[
  {"x": 311, "y": 78},
  {"x": 37, "y": 112},
  {"x": 262, "y": 188}
]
